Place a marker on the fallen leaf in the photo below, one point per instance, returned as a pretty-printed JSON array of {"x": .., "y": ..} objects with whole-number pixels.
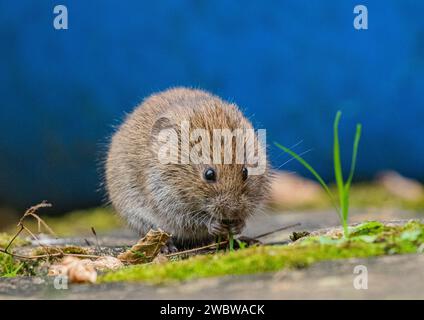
[
  {"x": 82, "y": 272},
  {"x": 146, "y": 249},
  {"x": 77, "y": 270},
  {"x": 107, "y": 263}
]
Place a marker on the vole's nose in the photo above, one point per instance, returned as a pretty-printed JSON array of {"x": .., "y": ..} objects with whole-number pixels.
[
  {"x": 231, "y": 210},
  {"x": 228, "y": 206}
]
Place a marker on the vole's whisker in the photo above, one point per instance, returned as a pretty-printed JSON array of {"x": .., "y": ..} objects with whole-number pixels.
[{"x": 291, "y": 159}]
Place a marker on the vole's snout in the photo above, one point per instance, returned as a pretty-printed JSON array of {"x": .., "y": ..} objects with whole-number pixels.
[
  {"x": 227, "y": 208},
  {"x": 225, "y": 226}
]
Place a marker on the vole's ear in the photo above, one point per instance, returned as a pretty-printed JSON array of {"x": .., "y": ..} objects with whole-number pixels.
[
  {"x": 162, "y": 128},
  {"x": 163, "y": 122},
  {"x": 164, "y": 140}
]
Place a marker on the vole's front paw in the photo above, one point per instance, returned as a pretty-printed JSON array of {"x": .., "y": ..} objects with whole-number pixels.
[
  {"x": 217, "y": 228},
  {"x": 169, "y": 247},
  {"x": 236, "y": 226}
]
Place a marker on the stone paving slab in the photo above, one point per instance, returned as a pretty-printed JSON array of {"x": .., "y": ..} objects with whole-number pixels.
[
  {"x": 389, "y": 277},
  {"x": 392, "y": 277}
]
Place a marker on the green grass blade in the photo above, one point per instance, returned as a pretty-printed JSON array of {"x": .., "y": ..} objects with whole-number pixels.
[
  {"x": 354, "y": 155},
  {"x": 352, "y": 171},
  {"x": 337, "y": 160},
  {"x": 218, "y": 241},
  {"x": 339, "y": 174},
  {"x": 231, "y": 241},
  {"x": 342, "y": 187},
  {"x": 12, "y": 271},
  {"x": 311, "y": 170}
]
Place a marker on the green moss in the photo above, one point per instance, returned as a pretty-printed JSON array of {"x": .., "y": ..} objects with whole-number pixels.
[
  {"x": 251, "y": 260},
  {"x": 53, "y": 250},
  {"x": 369, "y": 239},
  {"x": 368, "y": 228},
  {"x": 5, "y": 239}
]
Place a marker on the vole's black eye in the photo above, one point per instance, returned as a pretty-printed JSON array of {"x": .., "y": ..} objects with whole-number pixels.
[
  {"x": 210, "y": 175},
  {"x": 245, "y": 173}
]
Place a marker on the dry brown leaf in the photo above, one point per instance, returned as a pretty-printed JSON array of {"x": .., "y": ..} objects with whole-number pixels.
[
  {"x": 146, "y": 249},
  {"x": 82, "y": 272},
  {"x": 77, "y": 270},
  {"x": 107, "y": 263}
]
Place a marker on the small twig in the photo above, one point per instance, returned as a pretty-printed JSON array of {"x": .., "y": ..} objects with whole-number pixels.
[
  {"x": 218, "y": 240},
  {"x": 50, "y": 255},
  {"x": 80, "y": 255},
  {"x": 97, "y": 239},
  {"x": 29, "y": 212},
  {"x": 196, "y": 249},
  {"x": 13, "y": 239},
  {"x": 32, "y": 212},
  {"x": 276, "y": 230},
  {"x": 218, "y": 244},
  {"x": 38, "y": 240}
]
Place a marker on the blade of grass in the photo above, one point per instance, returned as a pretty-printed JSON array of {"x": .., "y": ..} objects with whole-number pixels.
[
  {"x": 218, "y": 241},
  {"x": 343, "y": 189},
  {"x": 337, "y": 163},
  {"x": 231, "y": 241},
  {"x": 311, "y": 170},
  {"x": 343, "y": 195},
  {"x": 352, "y": 170},
  {"x": 354, "y": 155},
  {"x": 12, "y": 271}
]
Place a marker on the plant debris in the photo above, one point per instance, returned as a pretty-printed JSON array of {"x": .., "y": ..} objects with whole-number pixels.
[
  {"x": 146, "y": 249},
  {"x": 107, "y": 263},
  {"x": 80, "y": 265},
  {"x": 389, "y": 239},
  {"x": 49, "y": 252},
  {"x": 72, "y": 267},
  {"x": 77, "y": 270},
  {"x": 84, "y": 270},
  {"x": 297, "y": 235}
]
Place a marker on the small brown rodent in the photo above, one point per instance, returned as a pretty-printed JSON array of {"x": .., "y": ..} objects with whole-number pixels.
[{"x": 193, "y": 202}]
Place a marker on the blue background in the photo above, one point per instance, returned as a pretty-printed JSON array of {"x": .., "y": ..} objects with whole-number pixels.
[{"x": 288, "y": 64}]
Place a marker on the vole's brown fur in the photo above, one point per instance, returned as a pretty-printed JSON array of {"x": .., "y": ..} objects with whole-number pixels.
[{"x": 176, "y": 197}]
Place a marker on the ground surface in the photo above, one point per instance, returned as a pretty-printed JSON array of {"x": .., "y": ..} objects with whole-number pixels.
[{"x": 389, "y": 277}]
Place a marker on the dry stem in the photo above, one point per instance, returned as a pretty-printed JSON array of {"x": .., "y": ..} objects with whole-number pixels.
[{"x": 21, "y": 227}]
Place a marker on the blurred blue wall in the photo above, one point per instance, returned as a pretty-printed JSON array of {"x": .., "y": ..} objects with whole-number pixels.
[{"x": 289, "y": 64}]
